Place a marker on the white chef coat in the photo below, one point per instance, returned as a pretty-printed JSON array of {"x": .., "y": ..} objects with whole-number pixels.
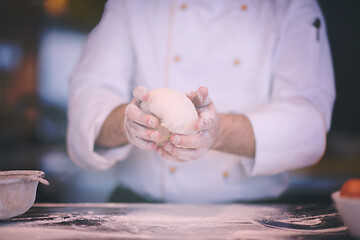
[{"x": 264, "y": 59}]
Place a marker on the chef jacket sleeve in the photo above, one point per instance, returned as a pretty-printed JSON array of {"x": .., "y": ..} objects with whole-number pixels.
[
  {"x": 290, "y": 131},
  {"x": 100, "y": 83}
]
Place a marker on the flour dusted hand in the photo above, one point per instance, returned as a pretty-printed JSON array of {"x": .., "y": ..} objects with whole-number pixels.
[
  {"x": 192, "y": 147},
  {"x": 140, "y": 126},
  {"x": 175, "y": 111}
]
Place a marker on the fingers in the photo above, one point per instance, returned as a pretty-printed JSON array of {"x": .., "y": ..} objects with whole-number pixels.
[
  {"x": 173, "y": 152},
  {"x": 201, "y": 140},
  {"x": 200, "y": 97},
  {"x": 135, "y": 114},
  {"x": 141, "y": 93},
  {"x": 142, "y": 144},
  {"x": 139, "y": 128},
  {"x": 140, "y": 136},
  {"x": 166, "y": 155},
  {"x": 207, "y": 119},
  {"x": 139, "y": 131}
]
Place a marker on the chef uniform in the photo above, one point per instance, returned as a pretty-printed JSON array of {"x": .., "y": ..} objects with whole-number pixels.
[{"x": 268, "y": 60}]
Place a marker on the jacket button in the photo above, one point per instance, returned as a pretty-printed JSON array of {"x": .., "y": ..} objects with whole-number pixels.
[
  {"x": 225, "y": 174},
  {"x": 172, "y": 169},
  {"x": 177, "y": 59},
  {"x": 183, "y": 7},
  {"x": 236, "y": 62},
  {"x": 244, "y": 7}
]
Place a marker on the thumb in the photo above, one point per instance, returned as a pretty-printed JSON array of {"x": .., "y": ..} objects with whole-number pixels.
[{"x": 141, "y": 93}]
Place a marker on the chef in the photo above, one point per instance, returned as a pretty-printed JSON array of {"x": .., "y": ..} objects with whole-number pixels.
[{"x": 258, "y": 72}]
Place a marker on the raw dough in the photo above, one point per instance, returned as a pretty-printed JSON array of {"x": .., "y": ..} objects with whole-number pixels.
[{"x": 175, "y": 111}]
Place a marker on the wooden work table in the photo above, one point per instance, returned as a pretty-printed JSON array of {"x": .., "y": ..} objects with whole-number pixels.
[{"x": 176, "y": 221}]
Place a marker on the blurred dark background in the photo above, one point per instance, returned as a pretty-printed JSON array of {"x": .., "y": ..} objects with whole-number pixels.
[{"x": 40, "y": 42}]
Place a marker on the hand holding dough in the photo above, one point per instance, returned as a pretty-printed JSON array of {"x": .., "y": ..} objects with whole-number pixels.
[
  {"x": 175, "y": 111},
  {"x": 139, "y": 126},
  {"x": 192, "y": 147}
]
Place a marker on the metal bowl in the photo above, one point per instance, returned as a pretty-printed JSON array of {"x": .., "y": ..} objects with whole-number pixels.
[
  {"x": 349, "y": 209},
  {"x": 18, "y": 191}
]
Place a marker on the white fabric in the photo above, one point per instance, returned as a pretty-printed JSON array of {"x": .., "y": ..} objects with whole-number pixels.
[{"x": 264, "y": 60}]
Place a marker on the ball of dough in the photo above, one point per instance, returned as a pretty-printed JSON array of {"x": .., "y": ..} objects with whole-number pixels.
[
  {"x": 351, "y": 188},
  {"x": 175, "y": 111}
]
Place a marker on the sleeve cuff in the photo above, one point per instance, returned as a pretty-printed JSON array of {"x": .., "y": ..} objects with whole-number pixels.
[
  {"x": 85, "y": 120},
  {"x": 289, "y": 135}
]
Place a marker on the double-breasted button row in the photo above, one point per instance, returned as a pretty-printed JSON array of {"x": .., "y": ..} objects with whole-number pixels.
[
  {"x": 236, "y": 62},
  {"x": 184, "y": 7}
]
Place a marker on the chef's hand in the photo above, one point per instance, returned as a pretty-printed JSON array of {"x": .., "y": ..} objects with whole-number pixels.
[
  {"x": 192, "y": 147},
  {"x": 139, "y": 126}
]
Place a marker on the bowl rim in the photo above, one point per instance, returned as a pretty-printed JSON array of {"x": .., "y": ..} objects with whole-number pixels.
[
  {"x": 20, "y": 176},
  {"x": 337, "y": 198}
]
